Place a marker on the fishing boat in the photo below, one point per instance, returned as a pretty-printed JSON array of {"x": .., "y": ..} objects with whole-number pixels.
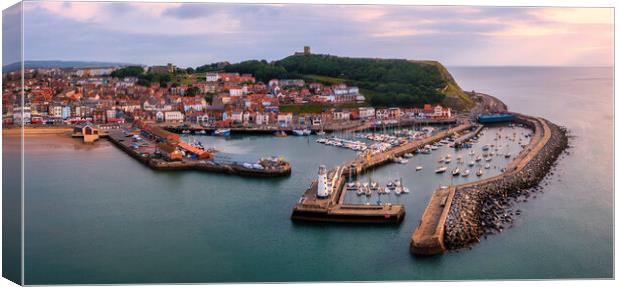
[
  {"x": 441, "y": 169},
  {"x": 222, "y": 132},
  {"x": 465, "y": 173},
  {"x": 456, "y": 171},
  {"x": 418, "y": 168},
  {"x": 479, "y": 172},
  {"x": 298, "y": 132}
]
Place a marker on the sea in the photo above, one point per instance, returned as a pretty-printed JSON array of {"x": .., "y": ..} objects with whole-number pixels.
[{"x": 94, "y": 215}]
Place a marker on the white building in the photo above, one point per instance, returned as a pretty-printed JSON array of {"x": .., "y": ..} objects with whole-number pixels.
[
  {"x": 173, "y": 116},
  {"x": 366, "y": 112},
  {"x": 235, "y": 92},
  {"x": 213, "y": 77}
]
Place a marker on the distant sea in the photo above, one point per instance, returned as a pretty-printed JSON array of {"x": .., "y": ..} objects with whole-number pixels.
[{"x": 95, "y": 215}]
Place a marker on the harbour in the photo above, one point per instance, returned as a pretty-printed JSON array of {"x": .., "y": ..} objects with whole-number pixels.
[{"x": 173, "y": 215}]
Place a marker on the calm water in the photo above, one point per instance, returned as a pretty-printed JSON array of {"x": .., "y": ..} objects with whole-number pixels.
[{"x": 94, "y": 215}]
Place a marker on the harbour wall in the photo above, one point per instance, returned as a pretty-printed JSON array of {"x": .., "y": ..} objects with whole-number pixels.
[
  {"x": 479, "y": 207},
  {"x": 158, "y": 164}
]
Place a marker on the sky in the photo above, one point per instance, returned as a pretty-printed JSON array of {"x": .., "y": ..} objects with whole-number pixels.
[{"x": 192, "y": 34}]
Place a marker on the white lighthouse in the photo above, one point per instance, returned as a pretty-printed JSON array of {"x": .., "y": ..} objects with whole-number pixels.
[{"x": 322, "y": 189}]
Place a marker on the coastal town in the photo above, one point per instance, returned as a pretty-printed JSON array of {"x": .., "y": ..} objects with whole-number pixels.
[
  {"x": 71, "y": 96},
  {"x": 150, "y": 117}
]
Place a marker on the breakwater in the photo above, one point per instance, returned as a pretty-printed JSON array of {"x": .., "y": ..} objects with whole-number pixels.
[{"x": 483, "y": 207}]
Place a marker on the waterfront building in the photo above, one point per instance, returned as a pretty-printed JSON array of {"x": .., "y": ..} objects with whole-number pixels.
[
  {"x": 285, "y": 119},
  {"x": 173, "y": 116},
  {"x": 169, "y": 152},
  {"x": 366, "y": 112}
]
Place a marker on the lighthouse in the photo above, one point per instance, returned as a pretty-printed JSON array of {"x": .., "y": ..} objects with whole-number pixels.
[{"x": 322, "y": 189}]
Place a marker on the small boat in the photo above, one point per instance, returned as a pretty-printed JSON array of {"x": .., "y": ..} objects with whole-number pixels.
[
  {"x": 456, "y": 171},
  {"x": 465, "y": 173},
  {"x": 353, "y": 186},
  {"x": 399, "y": 187},
  {"x": 201, "y": 132},
  {"x": 282, "y": 134},
  {"x": 408, "y": 155},
  {"x": 471, "y": 163},
  {"x": 479, "y": 172},
  {"x": 374, "y": 186},
  {"x": 507, "y": 155},
  {"x": 478, "y": 158},
  {"x": 222, "y": 132},
  {"x": 487, "y": 166},
  {"x": 401, "y": 160},
  {"x": 298, "y": 132},
  {"x": 485, "y": 147},
  {"x": 489, "y": 158},
  {"x": 359, "y": 191},
  {"x": 306, "y": 132},
  {"x": 320, "y": 133},
  {"x": 321, "y": 140},
  {"x": 186, "y": 131},
  {"x": 441, "y": 169},
  {"x": 447, "y": 160},
  {"x": 418, "y": 168},
  {"x": 367, "y": 190}
]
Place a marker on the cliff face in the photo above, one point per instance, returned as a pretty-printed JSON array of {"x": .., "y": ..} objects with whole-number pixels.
[{"x": 455, "y": 97}]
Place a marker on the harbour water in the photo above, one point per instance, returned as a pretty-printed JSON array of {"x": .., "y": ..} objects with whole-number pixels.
[{"x": 95, "y": 215}]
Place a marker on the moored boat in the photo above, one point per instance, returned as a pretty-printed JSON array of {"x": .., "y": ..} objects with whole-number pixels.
[
  {"x": 441, "y": 169},
  {"x": 222, "y": 132}
]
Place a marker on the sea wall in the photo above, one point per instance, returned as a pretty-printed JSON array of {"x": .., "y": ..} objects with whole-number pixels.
[{"x": 482, "y": 207}]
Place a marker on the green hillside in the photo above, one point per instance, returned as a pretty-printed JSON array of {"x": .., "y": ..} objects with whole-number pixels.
[{"x": 385, "y": 82}]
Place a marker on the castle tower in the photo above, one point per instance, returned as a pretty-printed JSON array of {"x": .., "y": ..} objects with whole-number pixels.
[
  {"x": 306, "y": 50},
  {"x": 322, "y": 189}
]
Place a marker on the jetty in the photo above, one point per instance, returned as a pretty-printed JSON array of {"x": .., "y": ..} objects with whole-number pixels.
[
  {"x": 332, "y": 208},
  {"x": 145, "y": 152}
]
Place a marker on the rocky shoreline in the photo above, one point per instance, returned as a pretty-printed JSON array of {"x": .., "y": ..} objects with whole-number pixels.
[{"x": 484, "y": 207}]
